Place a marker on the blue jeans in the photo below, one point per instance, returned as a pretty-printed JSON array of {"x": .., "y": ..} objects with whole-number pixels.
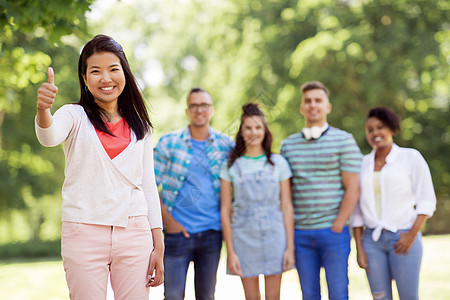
[
  {"x": 322, "y": 248},
  {"x": 385, "y": 265},
  {"x": 203, "y": 249}
]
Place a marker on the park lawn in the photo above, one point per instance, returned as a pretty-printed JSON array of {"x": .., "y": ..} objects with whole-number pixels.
[
  {"x": 44, "y": 279},
  {"x": 33, "y": 279}
]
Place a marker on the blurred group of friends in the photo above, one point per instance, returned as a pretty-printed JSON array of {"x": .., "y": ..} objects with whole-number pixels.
[{"x": 141, "y": 214}]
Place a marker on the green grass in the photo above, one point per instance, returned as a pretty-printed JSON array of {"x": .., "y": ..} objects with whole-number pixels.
[
  {"x": 44, "y": 279},
  {"x": 32, "y": 279}
]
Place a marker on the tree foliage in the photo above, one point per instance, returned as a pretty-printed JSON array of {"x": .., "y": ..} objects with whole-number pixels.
[
  {"x": 369, "y": 53},
  {"x": 33, "y": 36}
]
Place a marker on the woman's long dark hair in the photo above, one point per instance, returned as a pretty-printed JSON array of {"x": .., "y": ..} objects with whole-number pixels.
[
  {"x": 251, "y": 110},
  {"x": 131, "y": 105}
]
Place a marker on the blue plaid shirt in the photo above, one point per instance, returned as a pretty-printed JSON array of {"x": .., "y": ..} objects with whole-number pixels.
[{"x": 173, "y": 154}]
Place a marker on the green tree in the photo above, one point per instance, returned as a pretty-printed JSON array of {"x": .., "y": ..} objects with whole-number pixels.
[
  {"x": 369, "y": 53},
  {"x": 392, "y": 53},
  {"x": 33, "y": 36}
]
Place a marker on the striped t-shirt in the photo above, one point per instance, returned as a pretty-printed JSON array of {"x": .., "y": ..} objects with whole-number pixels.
[
  {"x": 249, "y": 165},
  {"x": 317, "y": 182}
]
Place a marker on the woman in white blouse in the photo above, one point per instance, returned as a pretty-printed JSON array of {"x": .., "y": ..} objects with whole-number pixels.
[
  {"x": 111, "y": 216},
  {"x": 397, "y": 197}
]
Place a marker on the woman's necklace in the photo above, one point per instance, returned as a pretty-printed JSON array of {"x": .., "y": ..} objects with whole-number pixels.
[
  {"x": 380, "y": 158},
  {"x": 380, "y": 162}
]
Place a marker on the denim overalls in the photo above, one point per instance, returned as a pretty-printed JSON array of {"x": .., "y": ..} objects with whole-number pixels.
[{"x": 258, "y": 231}]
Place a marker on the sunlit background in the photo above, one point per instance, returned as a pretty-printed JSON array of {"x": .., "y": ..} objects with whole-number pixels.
[{"x": 393, "y": 53}]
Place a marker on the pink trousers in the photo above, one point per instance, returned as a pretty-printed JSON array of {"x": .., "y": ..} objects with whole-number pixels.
[{"x": 93, "y": 252}]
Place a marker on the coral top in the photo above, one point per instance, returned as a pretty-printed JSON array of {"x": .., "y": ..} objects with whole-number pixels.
[{"x": 114, "y": 145}]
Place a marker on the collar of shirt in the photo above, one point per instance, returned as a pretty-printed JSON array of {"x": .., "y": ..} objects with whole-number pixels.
[
  {"x": 392, "y": 155},
  {"x": 186, "y": 135},
  {"x": 314, "y": 132}
]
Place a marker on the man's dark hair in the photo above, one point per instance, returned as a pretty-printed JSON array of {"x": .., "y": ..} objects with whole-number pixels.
[
  {"x": 313, "y": 85},
  {"x": 196, "y": 90}
]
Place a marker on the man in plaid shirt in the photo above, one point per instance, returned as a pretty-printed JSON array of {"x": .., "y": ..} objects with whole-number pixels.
[{"x": 187, "y": 165}]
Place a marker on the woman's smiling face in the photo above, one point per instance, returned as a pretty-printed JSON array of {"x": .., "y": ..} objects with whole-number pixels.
[
  {"x": 104, "y": 78},
  {"x": 378, "y": 134},
  {"x": 253, "y": 131}
]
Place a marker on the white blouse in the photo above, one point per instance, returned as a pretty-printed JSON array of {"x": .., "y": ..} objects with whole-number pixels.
[
  {"x": 406, "y": 191},
  {"x": 98, "y": 189}
]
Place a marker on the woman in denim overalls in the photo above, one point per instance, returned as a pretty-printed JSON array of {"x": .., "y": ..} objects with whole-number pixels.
[{"x": 258, "y": 224}]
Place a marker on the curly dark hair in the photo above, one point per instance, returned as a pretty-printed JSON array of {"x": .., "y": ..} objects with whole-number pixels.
[{"x": 387, "y": 117}]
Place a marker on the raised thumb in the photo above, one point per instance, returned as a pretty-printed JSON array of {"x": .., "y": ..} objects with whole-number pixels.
[{"x": 51, "y": 75}]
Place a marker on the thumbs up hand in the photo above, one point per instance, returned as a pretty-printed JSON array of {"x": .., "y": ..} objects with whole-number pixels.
[{"x": 47, "y": 92}]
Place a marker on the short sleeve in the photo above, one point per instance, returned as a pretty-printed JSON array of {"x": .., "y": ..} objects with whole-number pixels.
[
  {"x": 284, "y": 170},
  {"x": 350, "y": 156}
]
